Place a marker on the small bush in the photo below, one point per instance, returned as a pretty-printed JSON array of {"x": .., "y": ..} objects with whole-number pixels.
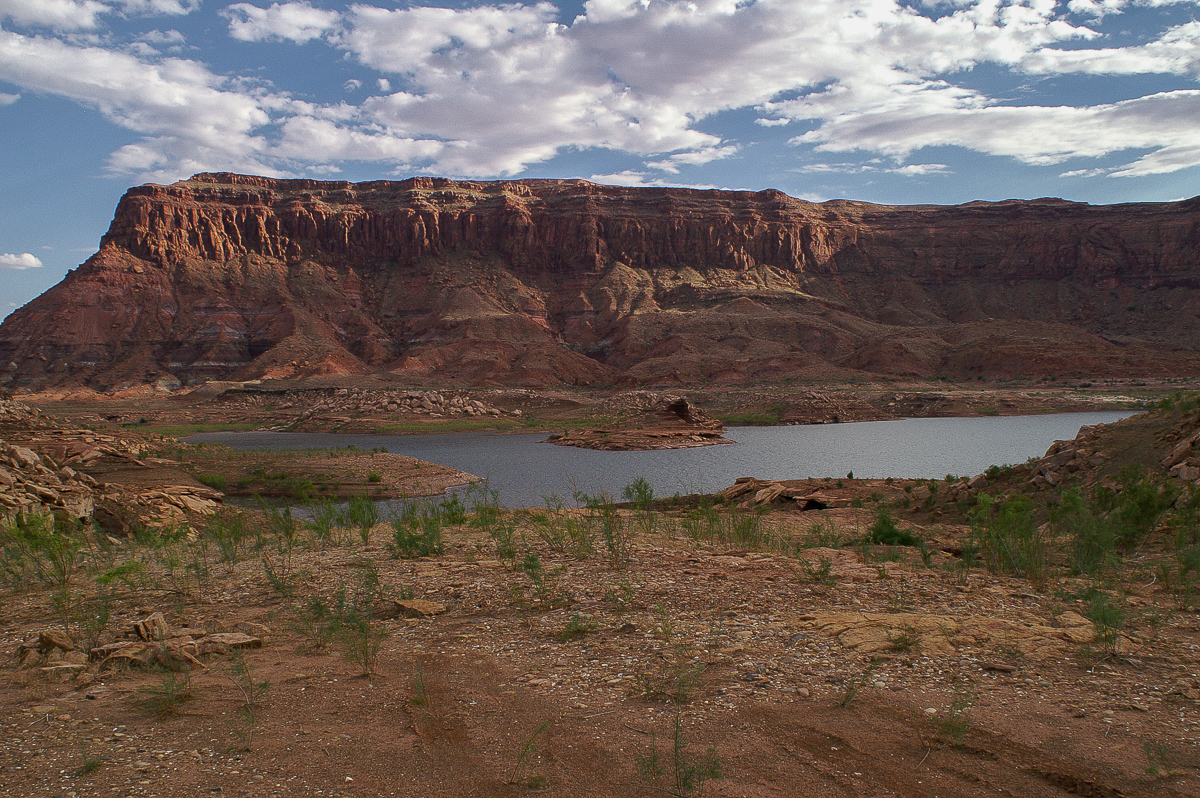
[
  {"x": 419, "y": 536},
  {"x": 1135, "y": 510},
  {"x": 687, "y": 776},
  {"x": 168, "y": 696},
  {"x": 1108, "y": 618},
  {"x": 37, "y": 548},
  {"x": 1091, "y": 539},
  {"x": 361, "y": 640},
  {"x": 640, "y": 494},
  {"x": 452, "y": 510},
  {"x": 364, "y": 514},
  {"x": 576, "y": 627},
  {"x": 957, "y": 720},
  {"x": 1009, "y": 539},
  {"x": 884, "y": 532},
  {"x": 214, "y": 481}
]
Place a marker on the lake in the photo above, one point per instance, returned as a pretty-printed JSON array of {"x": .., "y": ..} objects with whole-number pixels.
[{"x": 523, "y": 469}]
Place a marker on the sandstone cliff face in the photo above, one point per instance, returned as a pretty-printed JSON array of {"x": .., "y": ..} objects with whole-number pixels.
[{"x": 536, "y": 282}]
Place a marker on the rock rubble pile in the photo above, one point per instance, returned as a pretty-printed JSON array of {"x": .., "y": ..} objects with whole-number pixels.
[
  {"x": 312, "y": 403},
  {"x": 147, "y": 642},
  {"x": 49, "y": 482}
]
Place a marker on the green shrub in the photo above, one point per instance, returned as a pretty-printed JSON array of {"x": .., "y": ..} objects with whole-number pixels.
[
  {"x": 884, "y": 532},
  {"x": 1091, "y": 539},
  {"x": 214, "y": 481},
  {"x": 1009, "y": 538},
  {"x": 419, "y": 536},
  {"x": 361, "y": 639},
  {"x": 168, "y": 696},
  {"x": 364, "y": 514},
  {"x": 452, "y": 510},
  {"x": 640, "y": 494},
  {"x": 576, "y": 627},
  {"x": 1108, "y": 618},
  {"x": 1135, "y": 510},
  {"x": 686, "y": 777},
  {"x": 38, "y": 548}
]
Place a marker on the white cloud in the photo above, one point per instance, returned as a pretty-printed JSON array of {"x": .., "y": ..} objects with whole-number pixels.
[
  {"x": 25, "y": 260},
  {"x": 488, "y": 90},
  {"x": 694, "y": 158},
  {"x": 8, "y": 99},
  {"x": 158, "y": 7},
  {"x": 81, "y": 15},
  {"x": 876, "y": 165},
  {"x": 934, "y": 114},
  {"x": 163, "y": 37},
  {"x": 1176, "y": 52},
  {"x": 298, "y": 22},
  {"x": 920, "y": 169},
  {"x": 66, "y": 15},
  {"x": 191, "y": 118},
  {"x": 627, "y": 177},
  {"x": 631, "y": 177}
]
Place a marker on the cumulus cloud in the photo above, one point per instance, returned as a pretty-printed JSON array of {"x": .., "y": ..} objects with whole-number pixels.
[
  {"x": 163, "y": 37},
  {"x": 190, "y": 113},
  {"x": 636, "y": 179},
  {"x": 297, "y": 22},
  {"x": 8, "y": 99},
  {"x": 935, "y": 114},
  {"x": 158, "y": 7},
  {"x": 876, "y": 165},
  {"x": 25, "y": 260},
  {"x": 81, "y": 15},
  {"x": 698, "y": 157},
  {"x": 488, "y": 90},
  {"x": 66, "y": 15}
]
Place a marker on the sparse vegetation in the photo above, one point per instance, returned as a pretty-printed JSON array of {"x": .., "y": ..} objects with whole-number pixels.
[
  {"x": 662, "y": 604},
  {"x": 685, "y": 776},
  {"x": 166, "y": 698},
  {"x": 1009, "y": 538}
]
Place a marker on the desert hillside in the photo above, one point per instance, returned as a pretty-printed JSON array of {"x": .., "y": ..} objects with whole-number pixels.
[{"x": 544, "y": 282}]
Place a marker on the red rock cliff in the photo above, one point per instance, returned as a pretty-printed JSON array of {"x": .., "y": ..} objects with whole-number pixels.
[{"x": 542, "y": 281}]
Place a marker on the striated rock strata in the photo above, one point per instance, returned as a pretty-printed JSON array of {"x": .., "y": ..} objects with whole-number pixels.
[{"x": 536, "y": 282}]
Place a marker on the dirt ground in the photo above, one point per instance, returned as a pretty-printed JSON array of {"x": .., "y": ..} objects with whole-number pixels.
[
  {"x": 675, "y": 649},
  {"x": 816, "y": 672}
]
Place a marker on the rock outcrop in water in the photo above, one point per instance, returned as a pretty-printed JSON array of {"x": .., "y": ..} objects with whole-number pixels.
[{"x": 536, "y": 282}]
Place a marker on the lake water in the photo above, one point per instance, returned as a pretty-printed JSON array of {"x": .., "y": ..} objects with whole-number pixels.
[{"x": 523, "y": 469}]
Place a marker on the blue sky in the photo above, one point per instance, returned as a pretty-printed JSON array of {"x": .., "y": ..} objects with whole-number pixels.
[{"x": 944, "y": 101}]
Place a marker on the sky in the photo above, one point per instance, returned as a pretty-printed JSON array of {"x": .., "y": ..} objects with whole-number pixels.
[{"x": 922, "y": 101}]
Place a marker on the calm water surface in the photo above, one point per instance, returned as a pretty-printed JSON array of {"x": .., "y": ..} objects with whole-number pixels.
[{"x": 524, "y": 469}]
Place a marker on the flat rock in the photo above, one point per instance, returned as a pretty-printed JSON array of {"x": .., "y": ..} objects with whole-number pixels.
[{"x": 419, "y": 608}]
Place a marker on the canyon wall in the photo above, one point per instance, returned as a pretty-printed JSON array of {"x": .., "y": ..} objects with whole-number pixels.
[{"x": 537, "y": 282}]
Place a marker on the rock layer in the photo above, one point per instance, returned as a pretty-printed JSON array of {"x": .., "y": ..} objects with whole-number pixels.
[{"x": 536, "y": 282}]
